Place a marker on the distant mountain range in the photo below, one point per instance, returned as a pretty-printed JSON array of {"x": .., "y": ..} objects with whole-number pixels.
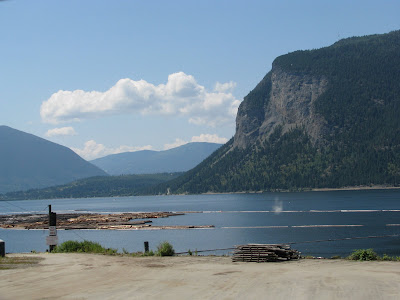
[
  {"x": 28, "y": 161},
  {"x": 178, "y": 159}
]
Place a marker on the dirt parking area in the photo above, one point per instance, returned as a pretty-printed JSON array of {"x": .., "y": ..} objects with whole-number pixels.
[{"x": 89, "y": 276}]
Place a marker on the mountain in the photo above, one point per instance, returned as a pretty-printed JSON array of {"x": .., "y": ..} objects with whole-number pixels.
[
  {"x": 28, "y": 161},
  {"x": 320, "y": 118},
  {"x": 178, "y": 159}
]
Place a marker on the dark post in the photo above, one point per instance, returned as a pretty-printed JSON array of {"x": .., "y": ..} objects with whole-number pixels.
[
  {"x": 52, "y": 222},
  {"x": 146, "y": 247},
  {"x": 2, "y": 248}
]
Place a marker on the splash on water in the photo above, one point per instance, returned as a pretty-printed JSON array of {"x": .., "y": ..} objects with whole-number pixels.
[{"x": 277, "y": 208}]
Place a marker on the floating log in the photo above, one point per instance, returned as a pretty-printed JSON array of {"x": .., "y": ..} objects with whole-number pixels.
[
  {"x": 82, "y": 220},
  {"x": 121, "y": 221}
]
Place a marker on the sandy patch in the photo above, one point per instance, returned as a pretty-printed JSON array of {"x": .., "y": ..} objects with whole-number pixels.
[{"x": 87, "y": 276}]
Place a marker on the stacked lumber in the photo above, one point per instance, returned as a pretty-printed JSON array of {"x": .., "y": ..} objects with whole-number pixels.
[{"x": 264, "y": 253}]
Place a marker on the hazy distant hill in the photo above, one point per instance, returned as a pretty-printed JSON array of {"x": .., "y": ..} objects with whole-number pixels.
[
  {"x": 328, "y": 117},
  {"x": 178, "y": 159},
  {"x": 27, "y": 161}
]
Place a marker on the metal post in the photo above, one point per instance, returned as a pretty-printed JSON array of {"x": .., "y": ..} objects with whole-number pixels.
[
  {"x": 146, "y": 247},
  {"x": 2, "y": 248}
]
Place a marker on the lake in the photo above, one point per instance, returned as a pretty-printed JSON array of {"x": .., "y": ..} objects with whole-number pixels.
[{"x": 295, "y": 218}]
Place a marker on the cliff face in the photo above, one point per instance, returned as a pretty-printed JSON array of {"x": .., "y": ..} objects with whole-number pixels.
[{"x": 289, "y": 102}]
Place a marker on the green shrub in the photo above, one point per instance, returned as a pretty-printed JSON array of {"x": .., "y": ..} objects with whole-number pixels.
[
  {"x": 83, "y": 247},
  {"x": 165, "y": 249},
  {"x": 149, "y": 253},
  {"x": 363, "y": 254},
  {"x": 387, "y": 257}
]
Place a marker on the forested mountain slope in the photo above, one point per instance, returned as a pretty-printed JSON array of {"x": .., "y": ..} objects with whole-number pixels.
[
  {"x": 320, "y": 118},
  {"x": 98, "y": 186}
]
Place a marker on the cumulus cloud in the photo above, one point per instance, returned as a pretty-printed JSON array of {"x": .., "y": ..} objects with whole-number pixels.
[
  {"x": 177, "y": 143},
  {"x": 93, "y": 150},
  {"x": 209, "y": 138},
  {"x": 63, "y": 131},
  {"x": 180, "y": 96},
  {"x": 225, "y": 87}
]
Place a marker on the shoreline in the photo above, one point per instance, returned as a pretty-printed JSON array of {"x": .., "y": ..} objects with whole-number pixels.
[{"x": 350, "y": 188}]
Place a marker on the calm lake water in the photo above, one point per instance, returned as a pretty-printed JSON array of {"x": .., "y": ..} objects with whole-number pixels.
[{"x": 238, "y": 219}]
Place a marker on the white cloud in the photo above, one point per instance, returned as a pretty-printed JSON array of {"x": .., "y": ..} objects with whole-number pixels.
[
  {"x": 177, "y": 143},
  {"x": 93, "y": 150},
  {"x": 209, "y": 138},
  {"x": 225, "y": 87},
  {"x": 61, "y": 131},
  {"x": 180, "y": 96}
]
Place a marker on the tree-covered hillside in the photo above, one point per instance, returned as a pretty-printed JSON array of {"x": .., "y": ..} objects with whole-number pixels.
[
  {"x": 360, "y": 113},
  {"x": 99, "y": 186}
]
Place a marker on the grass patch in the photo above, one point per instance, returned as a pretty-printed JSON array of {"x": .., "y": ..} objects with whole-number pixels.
[
  {"x": 18, "y": 262},
  {"x": 370, "y": 254},
  {"x": 83, "y": 247},
  {"x": 163, "y": 249},
  {"x": 389, "y": 258},
  {"x": 141, "y": 254}
]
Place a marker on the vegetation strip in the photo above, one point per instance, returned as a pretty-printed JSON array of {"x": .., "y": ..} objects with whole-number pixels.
[
  {"x": 163, "y": 249},
  {"x": 17, "y": 262}
]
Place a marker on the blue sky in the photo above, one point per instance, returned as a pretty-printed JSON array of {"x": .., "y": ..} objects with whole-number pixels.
[{"x": 103, "y": 77}]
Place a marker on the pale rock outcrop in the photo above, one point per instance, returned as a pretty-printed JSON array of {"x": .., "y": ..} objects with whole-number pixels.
[{"x": 290, "y": 103}]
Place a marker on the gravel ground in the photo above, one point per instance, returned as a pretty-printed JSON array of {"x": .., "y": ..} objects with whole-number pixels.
[{"x": 90, "y": 276}]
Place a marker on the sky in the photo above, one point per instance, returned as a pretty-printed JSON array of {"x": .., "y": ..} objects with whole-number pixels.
[{"x": 104, "y": 77}]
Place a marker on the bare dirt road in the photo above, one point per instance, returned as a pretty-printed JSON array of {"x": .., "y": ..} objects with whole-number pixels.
[{"x": 89, "y": 276}]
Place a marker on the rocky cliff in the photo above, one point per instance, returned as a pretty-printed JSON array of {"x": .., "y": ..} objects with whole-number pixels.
[{"x": 288, "y": 102}]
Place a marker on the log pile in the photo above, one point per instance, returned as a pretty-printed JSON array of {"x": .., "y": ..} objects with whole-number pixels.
[{"x": 264, "y": 253}]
